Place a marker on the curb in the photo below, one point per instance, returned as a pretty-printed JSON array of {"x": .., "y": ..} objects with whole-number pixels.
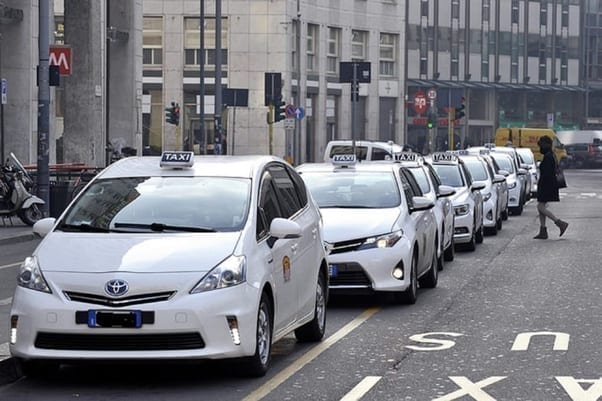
[{"x": 10, "y": 371}]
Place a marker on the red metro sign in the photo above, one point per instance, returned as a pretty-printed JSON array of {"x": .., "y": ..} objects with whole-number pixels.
[
  {"x": 61, "y": 56},
  {"x": 420, "y": 103}
]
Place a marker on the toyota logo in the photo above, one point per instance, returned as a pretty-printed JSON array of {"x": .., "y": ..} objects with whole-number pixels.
[{"x": 116, "y": 288}]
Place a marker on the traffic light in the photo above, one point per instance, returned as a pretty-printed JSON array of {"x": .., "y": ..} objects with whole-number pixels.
[
  {"x": 460, "y": 110},
  {"x": 279, "y": 113},
  {"x": 172, "y": 114},
  {"x": 432, "y": 120}
]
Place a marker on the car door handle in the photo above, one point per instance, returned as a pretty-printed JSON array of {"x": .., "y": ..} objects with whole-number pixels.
[
  {"x": 314, "y": 233},
  {"x": 294, "y": 248}
]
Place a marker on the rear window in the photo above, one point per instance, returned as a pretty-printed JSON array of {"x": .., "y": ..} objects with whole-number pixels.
[{"x": 360, "y": 151}]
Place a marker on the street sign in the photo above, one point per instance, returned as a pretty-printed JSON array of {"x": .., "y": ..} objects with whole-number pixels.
[
  {"x": 362, "y": 71},
  {"x": 4, "y": 90},
  {"x": 420, "y": 104},
  {"x": 431, "y": 94},
  {"x": 235, "y": 97},
  {"x": 289, "y": 123},
  {"x": 61, "y": 56},
  {"x": 290, "y": 111},
  {"x": 300, "y": 113}
]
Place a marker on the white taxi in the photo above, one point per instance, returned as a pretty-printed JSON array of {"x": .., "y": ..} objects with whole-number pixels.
[
  {"x": 467, "y": 201},
  {"x": 432, "y": 188},
  {"x": 480, "y": 171},
  {"x": 380, "y": 230},
  {"x": 175, "y": 257}
]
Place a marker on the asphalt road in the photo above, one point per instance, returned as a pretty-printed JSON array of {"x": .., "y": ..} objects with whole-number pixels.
[{"x": 518, "y": 319}]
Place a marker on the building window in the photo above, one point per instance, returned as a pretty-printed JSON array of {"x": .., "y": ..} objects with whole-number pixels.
[
  {"x": 312, "y": 47},
  {"x": 152, "y": 41},
  {"x": 485, "y": 11},
  {"x": 514, "y": 12},
  {"x": 388, "y": 44},
  {"x": 59, "y": 30},
  {"x": 333, "y": 52},
  {"x": 192, "y": 42},
  {"x": 543, "y": 13},
  {"x": 359, "y": 40}
]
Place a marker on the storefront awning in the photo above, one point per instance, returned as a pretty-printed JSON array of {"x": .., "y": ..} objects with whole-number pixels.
[{"x": 424, "y": 83}]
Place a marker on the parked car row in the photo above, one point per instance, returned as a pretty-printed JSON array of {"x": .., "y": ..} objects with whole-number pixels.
[{"x": 217, "y": 257}]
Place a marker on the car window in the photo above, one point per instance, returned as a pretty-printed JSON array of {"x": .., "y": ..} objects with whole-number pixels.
[
  {"x": 504, "y": 163},
  {"x": 268, "y": 206},
  {"x": 299, "y": 186},
  {"x": 410, "y": 186},
  {"x": 365, "y": 189},
  {"x": 286, "y": 191},
  {"x": 449, "y": 174},
  {"x": 217, "y": 203},
  {"x": 380, "y": 154},
  {"x": 421, "y": 178},
  {"x": 360, "y": 151},
  {"x": 477, "y": 169}
]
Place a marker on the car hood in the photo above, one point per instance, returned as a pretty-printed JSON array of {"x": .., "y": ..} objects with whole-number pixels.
[
  {"x": 345, "y": 224},
  {"x": 101, "y": 253}
]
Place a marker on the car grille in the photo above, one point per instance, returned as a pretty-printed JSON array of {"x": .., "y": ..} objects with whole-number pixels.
[
  {"x": 125, "y": 301},
  {"x": 350, "y": 274},
  {"x": 347, "y": 246},
  {"x": 119, "y": 342}
]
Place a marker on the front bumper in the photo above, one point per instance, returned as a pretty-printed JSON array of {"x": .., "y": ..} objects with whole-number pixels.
[
  {"x": 187, "y": 326},
  {"x": 464, "y": 226}
]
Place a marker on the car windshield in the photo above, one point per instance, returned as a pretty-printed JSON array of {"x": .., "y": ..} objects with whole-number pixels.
[
  {"x": 526, "y": 157},
  {"x": 371, "y": 190},
  {"x": 477, "y": 169},
  {"x": 151, "y": 204},
  {"x": 504, "y": 162},
  {"x": 449, "y": 175}
]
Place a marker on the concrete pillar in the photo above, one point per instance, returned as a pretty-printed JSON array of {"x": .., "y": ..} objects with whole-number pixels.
[
  {"x": 124, "y": 74},
  {"x": 85, "y": 32}
]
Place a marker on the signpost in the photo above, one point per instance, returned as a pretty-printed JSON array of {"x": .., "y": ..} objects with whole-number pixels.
[
  {"x": 4, "y": 99},
  {"x": 354, "y": 72},
  {"x": 234, "y": 97}
]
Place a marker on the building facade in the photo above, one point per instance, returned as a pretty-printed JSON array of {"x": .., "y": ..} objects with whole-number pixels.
[{"x": 510, "y": 62}]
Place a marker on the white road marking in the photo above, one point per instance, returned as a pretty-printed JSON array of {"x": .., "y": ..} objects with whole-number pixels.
[
  {"x": 9, "y": 265},
  {"x": 310, "y": 355},
  {"x": 472, "y": 389},
  {"x": 361, "y": 389},
  {"x": 6, "y": 301}
]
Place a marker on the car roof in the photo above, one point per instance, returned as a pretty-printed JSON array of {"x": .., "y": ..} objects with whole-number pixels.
[
  {"x": 216, "y": 166},
  {"x": 360, "y": 166}
]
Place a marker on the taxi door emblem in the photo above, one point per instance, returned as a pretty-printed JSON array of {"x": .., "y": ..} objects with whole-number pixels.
[{"x": 286, "y": 268}]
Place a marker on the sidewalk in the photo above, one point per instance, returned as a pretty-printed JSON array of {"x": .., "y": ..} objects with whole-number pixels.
[{"x": 13, "y": 230}]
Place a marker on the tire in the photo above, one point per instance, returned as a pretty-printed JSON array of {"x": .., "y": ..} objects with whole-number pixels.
[
  {"x": 450, "y": 252},
  {"x": 429, "y": 280},
  {"x": 498, "y": 223},
  {"x": 517, "y": 211},
  {"x": 472, "y": 245},
  {"x": 30, "y": 215},
  {"x": 479, "y": 236},
  {"x": 314, "y": 330},
  {"x": 410, "y": 295},
  {"x": 505, "y": 214},
  {"x": 258, "y": 364}
]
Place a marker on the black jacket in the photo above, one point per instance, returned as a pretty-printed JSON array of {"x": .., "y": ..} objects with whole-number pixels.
[{"x": 547, "y": 187}]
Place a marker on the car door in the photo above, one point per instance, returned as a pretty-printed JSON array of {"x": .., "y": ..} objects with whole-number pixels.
[
  {"x": 277, "y": 255},
  {"x": 304, "y": 265},
  {"x": 424, "y": 222}
]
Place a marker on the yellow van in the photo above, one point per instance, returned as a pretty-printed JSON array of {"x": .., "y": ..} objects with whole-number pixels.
[{"x": 527, "y": 138}]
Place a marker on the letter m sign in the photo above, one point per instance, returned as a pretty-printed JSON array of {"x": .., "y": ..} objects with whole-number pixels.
[{"x": 61, "y": 56}]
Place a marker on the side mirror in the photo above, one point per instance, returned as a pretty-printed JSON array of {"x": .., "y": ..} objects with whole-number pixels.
[
  {"x": 43, "y": 226},
  {"x": 477, "y": 186},
  {"x": 525, "y": 166},
  {"x": 421, "y": 203},
  {"x": 446, "y": 190},
  {"x": 522, "y": 171},
  {"x": 284, "y": 228},
  {"x": 504, "y": 173},
  {"x": 499, "y": 178}
]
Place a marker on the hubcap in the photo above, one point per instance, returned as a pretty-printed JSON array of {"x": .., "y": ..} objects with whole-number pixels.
[
  {"x": 263, "y": 335},
  {"x": 320, "y": 305}
]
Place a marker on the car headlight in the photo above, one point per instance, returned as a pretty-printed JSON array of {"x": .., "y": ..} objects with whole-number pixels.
[
  {"x": 382, "y": 241},
  {"x": 486, "y": 197},
  {"x": 511, "y": 185},
  {"x": 230, "y": 272},
  {"x": 461, "y": 210},
  {"x": 31, "y": 277}
]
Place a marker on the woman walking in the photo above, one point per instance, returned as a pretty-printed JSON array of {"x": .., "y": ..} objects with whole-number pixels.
[{"x": 547, "y": 188}]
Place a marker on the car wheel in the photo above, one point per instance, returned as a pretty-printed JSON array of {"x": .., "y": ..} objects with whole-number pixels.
[
  {"x": 314, "y": 330},
  {"x": 479, "y": 236},
  {"x": 518, "y": 210},
  {"x": 450, "y": 252},
  {"x": 429, "y": 280},
  {"x": 498, "y": 223},
  {"x": 505, "y": 213},
  {"x": 472, "y": 245},
  {"x": 258, "y": 364},
  {"x": 410, "y": 295}
]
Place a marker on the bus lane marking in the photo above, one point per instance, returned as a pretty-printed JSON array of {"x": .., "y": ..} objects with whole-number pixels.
[
  {"x": 474, "y": 390},
  {"x": 361, "y": 388},
  {"x": 574, "y": 389},
  {"x": 310, "y": 355}
]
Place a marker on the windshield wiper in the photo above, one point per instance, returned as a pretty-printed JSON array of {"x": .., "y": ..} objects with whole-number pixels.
[
  {"x": 159, "y": 227},
  {"x": 85, "y": 227}
]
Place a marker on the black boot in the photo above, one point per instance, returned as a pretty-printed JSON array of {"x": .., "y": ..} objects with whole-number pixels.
[
  {"x": 562, "y": 225},
  {"x": 543, "y": 233}
]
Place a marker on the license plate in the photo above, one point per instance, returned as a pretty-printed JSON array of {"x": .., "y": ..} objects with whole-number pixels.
[
  {"x": 333, "y": 270},
  {"x": 122, "y": 319}
]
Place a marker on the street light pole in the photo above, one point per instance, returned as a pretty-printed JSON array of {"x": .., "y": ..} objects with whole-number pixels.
[
  {"x": 43, "y": 178},
  {"x": 202, "y": 77},
  {"x": 218, "y": 78}
]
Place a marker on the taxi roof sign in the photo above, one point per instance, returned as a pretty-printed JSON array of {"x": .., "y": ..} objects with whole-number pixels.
[
  {"x": 408, "y": 157},
  {"x": 177, "y": 159},
  {"x": 344, "y": 160},
  {"x": 444, "y": 157}
]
